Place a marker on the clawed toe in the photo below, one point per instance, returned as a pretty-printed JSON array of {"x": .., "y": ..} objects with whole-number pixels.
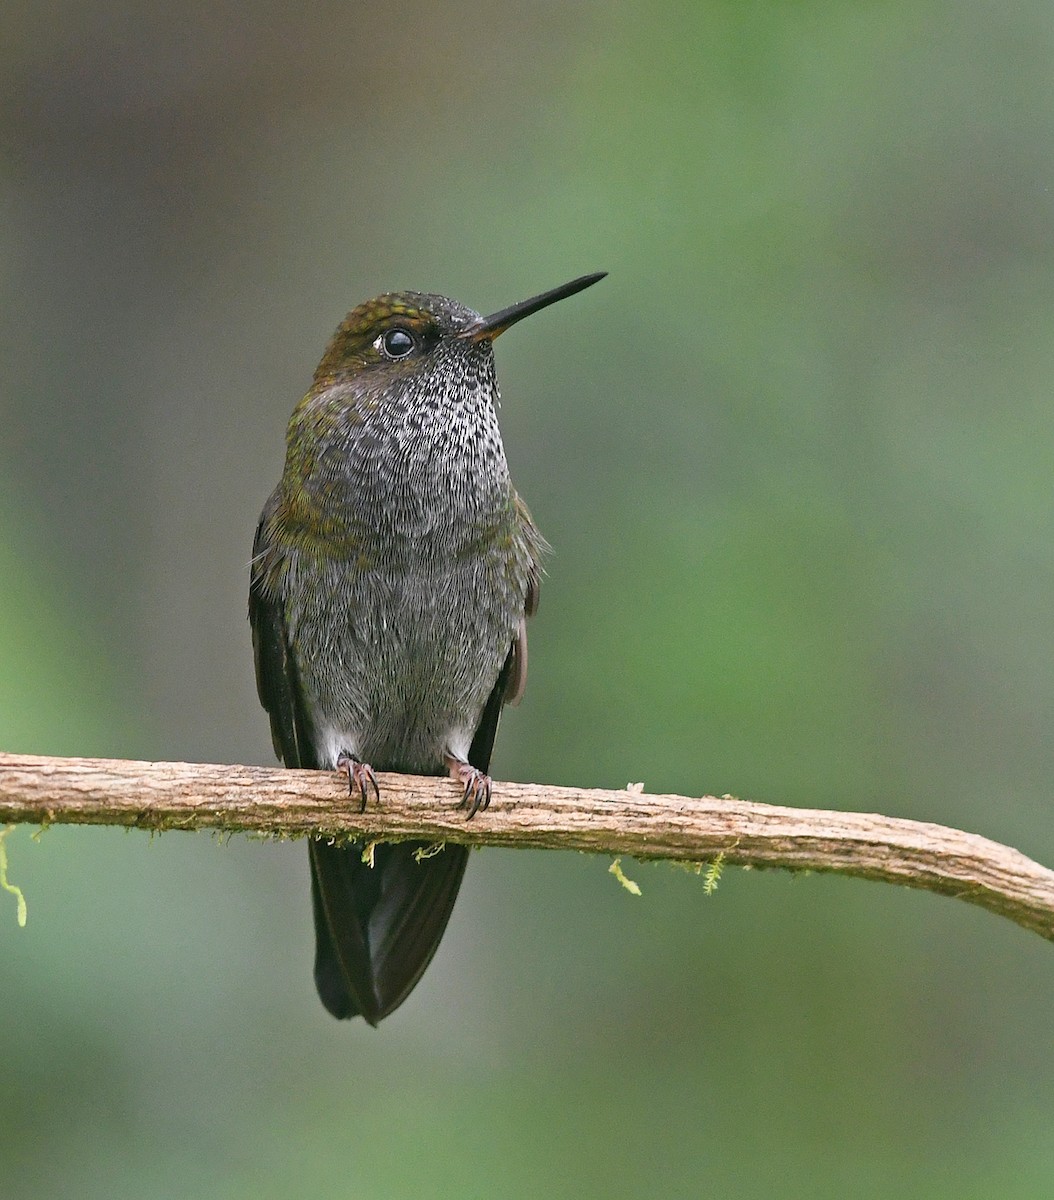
[
  {"x": 361, "y": 778},
  {"x": 476, "y": 783}
]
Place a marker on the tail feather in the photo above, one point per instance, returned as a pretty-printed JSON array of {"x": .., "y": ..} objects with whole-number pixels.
[{"x": 377, "y": 927}]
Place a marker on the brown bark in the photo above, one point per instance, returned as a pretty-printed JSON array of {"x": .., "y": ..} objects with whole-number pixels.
[{"x": 163, "y": 795}]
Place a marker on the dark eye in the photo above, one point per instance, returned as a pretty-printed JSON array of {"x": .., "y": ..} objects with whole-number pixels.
[{"x": 397, "y": 343}]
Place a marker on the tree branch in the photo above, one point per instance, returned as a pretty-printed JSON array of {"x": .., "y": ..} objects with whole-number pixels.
[{"x": 158, "y": 796}]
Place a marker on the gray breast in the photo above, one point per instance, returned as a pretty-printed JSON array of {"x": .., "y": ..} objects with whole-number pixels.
[{"x": 397, "y": 665}]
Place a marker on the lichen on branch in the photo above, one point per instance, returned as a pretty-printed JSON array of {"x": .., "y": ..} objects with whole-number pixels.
[{"x": 719, "y": 830}]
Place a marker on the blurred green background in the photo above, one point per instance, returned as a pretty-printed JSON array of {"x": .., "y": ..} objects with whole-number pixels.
[{"x": 795, "y": 457}]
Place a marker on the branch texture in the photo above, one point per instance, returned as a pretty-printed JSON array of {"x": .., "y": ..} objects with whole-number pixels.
[{"x": 159, "y": 796}]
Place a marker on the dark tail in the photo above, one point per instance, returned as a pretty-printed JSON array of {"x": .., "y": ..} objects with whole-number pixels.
[{"x": 376, "y": 928}]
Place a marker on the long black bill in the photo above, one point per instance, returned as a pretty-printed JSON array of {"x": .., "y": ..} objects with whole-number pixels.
[{"x": 489, "y": 327}]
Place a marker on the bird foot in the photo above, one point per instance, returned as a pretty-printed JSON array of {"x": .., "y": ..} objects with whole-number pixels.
[
  {"x": 476, "y": 783},
  {"x": 360, "y": 777}
]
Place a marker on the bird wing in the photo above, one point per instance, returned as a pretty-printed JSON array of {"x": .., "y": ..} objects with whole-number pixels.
[
  {"x": 277, "y": 680},
  {"x": 514, "y": 676}
]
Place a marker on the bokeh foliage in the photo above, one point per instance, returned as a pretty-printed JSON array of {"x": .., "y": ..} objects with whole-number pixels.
[{"x": 794, "y": 456}]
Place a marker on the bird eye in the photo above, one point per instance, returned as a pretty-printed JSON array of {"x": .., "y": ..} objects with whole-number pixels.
[{"x": 397, "y": 343}]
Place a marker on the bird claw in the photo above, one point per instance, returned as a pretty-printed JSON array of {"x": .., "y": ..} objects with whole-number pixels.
[
  {"x": 476, "y": 783},
  {"x": 360, "y": 778}
]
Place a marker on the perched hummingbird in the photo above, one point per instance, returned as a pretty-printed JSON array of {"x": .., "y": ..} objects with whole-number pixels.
[{"x": 393, "y": 571}]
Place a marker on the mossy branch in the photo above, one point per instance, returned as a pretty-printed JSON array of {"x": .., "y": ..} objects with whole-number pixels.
[{"x": 163, "y": 795}]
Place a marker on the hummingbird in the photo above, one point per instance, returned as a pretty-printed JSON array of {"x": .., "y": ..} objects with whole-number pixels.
[{"x": 393, "y": 571}]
